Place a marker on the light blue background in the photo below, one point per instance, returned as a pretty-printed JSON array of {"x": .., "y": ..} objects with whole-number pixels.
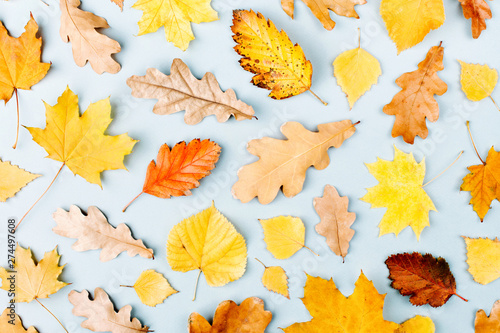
[{"x": 151, "y": 218}]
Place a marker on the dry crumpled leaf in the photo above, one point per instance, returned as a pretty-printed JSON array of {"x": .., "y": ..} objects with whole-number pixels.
[
  {"x": 208, "y": 242},
  {"x": 400, "y": 190},
  {"x": 478, "y": 81},
  {"x": 182, "y": 91},
  {"x": 483, "y": 258},
  {"x": 13, "y": 179},
  {"x": 320, "y": 9},
  {"x": 275, "y": 279},
  {"x": 409, "y": 21},
  {"x": 415, "y": 101},
  {"x": 417, "y": 324},
  {"x": 248, "y": 317},
  {"x": 80, "y": 28},
  {"x": 485, "y": 324},
  {"x": 176, "y": 16},
  {"x": 13, "y": 325},
  {"x": 479, "y": 11},
  {"x": 101, "y": 315},
  {"x": 178, "y": 171},
  {"x": 94, "y": 232},
  {"x": 278, "y": 64},
  {"x": 152, "y": 288},
  {"x": 34, "y": 280},
  {"x": 336, "y": 220},
  {"x": 283, "y": 163},
  {"x": 426, "y": 279}
]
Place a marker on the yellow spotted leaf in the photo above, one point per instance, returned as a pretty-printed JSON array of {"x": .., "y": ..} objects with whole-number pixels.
[
  {"x": 409, "y": 21},
  {"x": 152, "y": 288},
  {"x": 483, "y": 258},
  {"x": 34, "y": 280},
  {"x": 13, "y": 179},
  {"x": 417, "y": 324},
  {"x": 485, "y": 324},
  {"x": 400, "y": 191},
  {"x": 176, "y": 16},
  {"x": 478, "y": 81},
  {"x": 7, "y": 327},
  {"x": 208, "y": 242},
  {"x": 275, "y": 279}
]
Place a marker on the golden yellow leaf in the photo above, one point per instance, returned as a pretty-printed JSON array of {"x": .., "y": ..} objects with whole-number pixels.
[
  {"x": 33, "y": 280},
  {"x": 79, "y": 141},
  {"x": 332, "y": 312},
  {"x": 275, "y": 279},
  {"x": 417, "y": 324},
  {"x": 13, "y": 179},
  {"x": 283, "y": 163},
  {"x": 400, "y": 190},
  {"x": 478, "y": 81},
  {"x": 409, "y": 21},
  {"x": 11, "y": 323},
  {"x": 356, "y": 71},
  {"x": 208, "y": 242},
  {"x": 176, "y": 16},
  {"x": 152, "y": 288},
  {"x": 485, "y": 324},
  {"x": 483, "y": 258}
]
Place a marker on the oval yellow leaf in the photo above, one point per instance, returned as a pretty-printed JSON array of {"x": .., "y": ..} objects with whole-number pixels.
[
  {"x": 483, "y": 258},
  {"x": 478, "y": 81},
  {"x": 417, "y": 324},
  {"x": 275, "y": 279},
  {"x": 153, "y": 288}
]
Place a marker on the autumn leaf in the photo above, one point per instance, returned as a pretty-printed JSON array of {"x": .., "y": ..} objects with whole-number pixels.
[
  {"x": 101, "y": 315},
  {"x": 13, "y": 179},
  {"x": 409, "y": 21},
  {"x": 152, "y": 288},
  {"x": 209, "y": 243},
  {"x": 426, "y": 279},
  {"x": 479, "y": 11},
  {"x": 119, "y": 3},
  {"x": 275, "y": 279},
  {"x": 176, "y": 16},
  {"x": 283, "y": 163},
  {"x": 178, "y": 171},
  {"x": 485, "y": 324},
  {"x": 321, "y": 8},
  {"x": 336, "y": 220},
  {"x": 478, "y": 81},
  {"x": 94, "y": 232},
  {"x": 7, "y": 327},
  {"x": 333, "y": 312},
  {"x": 182, "y": 91},
  {"x": 415, "y": 102},
  {"x": 356, "y": 71},
  {"x": 483, "y": 258},
  {"x": 417, "y": 324},
  {"x": 81, "y": 29},
  {"x": 20, "y": 65},
  {"x": 278, "y": 64}
]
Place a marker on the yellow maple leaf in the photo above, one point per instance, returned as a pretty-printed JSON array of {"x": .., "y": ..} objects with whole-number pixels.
[
  {"x": 275, "y": 279},
  {"x": 478, "y": 81},
  {"x": 417, "y": 324},
  {"x": 400, "y": 190},
  {"x": 176, "y": 16},
  {"x": 152, "y": 288},
  {"x": 33, "y": 280},
  {"x": 13, "y": 179},
  {"x": 356, "y": 71},
  {"x": 332, "y": 312},
  {"x": 483, "y": 258},
  {"x": 7, "y": 327},
  {"x": 409, "y": 21},
  {"x": 209, "y": 243}
]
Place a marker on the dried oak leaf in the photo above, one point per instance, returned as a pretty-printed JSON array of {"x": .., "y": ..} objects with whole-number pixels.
[
  {"x": 415, "y": 102},
  {"x": 478, "y": 81},
  {"x": 283, "y": 163},
  {"x": 94, "y": 232},
  {"x": 80, "y": 28},
  {"x": 485, "y": 324},
  {"x": 101, "y": 315},
  {"x": 7, "y": 327},
  {"x": 483, "y": 258},
  {"x": 479, "y": 11},
  {"x": 426, "y": 279},
  {"x": 13, "y": 179},
  {"x": 182, "y": 91},
  {"x": 152, "y": 288},
  {"x": 320, "y": 9},
  {"x": 248, "y": 317},
  {"x": 336, "y": 220},
  {"x": 178, "y": 171},
  {"x": 275, "y": 279}
]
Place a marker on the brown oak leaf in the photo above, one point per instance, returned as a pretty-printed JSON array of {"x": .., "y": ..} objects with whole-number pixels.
[
  {"x": 479, "y": 11},
  {"x": 491, "y": 324}
]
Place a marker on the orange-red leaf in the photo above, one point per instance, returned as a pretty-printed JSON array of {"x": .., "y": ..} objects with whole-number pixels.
[{"x": 479, "y": 11}]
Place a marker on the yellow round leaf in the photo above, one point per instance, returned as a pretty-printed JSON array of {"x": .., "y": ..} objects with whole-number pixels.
[
  {"x": 478, "y": 81},
  {"x": 152, "y": 288},
  {"x": 284, "y": 235},
  {"x": 483, "y": 258},
  {"x": 417, "y": 324}
]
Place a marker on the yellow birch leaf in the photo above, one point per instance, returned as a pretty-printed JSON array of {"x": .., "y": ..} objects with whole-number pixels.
[
  {"x": 13, "y": 179},
  {"x": 483, "y": 258},
  {"x": 176, "y": 16},
  {"x": 417, "y": 324},
  {"x": 409, "y": 21},
  {"x": 275, "y": 279},
  {"x": 478, "y": 81},
  {"x": 284, "y": 235},
  {"x": 17, "y": 327},
  {"x": 152, "y": 288}
]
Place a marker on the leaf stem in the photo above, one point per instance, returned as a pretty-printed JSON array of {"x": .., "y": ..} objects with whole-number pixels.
[
  {"x": 17, "y": 130},
  {"x": 36, "y": 299},
  {"x": 125, "y": 286},
  {"x": 498, "y": 108},
  {"x": 359, "y": 37},
  {"x": 125, "y": 208},
  {"x": 449, "y": 166},
  {"x": 471, "y": 139},
  {"x": 322, "y": 101},
  {"x": 261, "y": 262},
  {"x": 51, "y": 183},
  {"x": 463, "y": 299},
  {"x": 196, "y": 285},
  {"x": 311, "y": 250}
]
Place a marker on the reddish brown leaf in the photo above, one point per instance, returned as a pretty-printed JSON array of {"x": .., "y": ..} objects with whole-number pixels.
[
  {"x": 479, "y": 11},
  {"x": 426, "y": 279}
]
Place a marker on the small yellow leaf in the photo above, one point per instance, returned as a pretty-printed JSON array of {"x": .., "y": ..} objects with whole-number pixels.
[
  {"x": 275, "y": 279},
  {"x": 13, "y": 179},
  {"x": 483, "y": 258},
  {"x": 153, "y": 288},
  {"x": 478, "y": 81},
  {"x": 284, "y": 235},
  {"x": 7, "y": 327},
  {"x": 417, "y": 324}
]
